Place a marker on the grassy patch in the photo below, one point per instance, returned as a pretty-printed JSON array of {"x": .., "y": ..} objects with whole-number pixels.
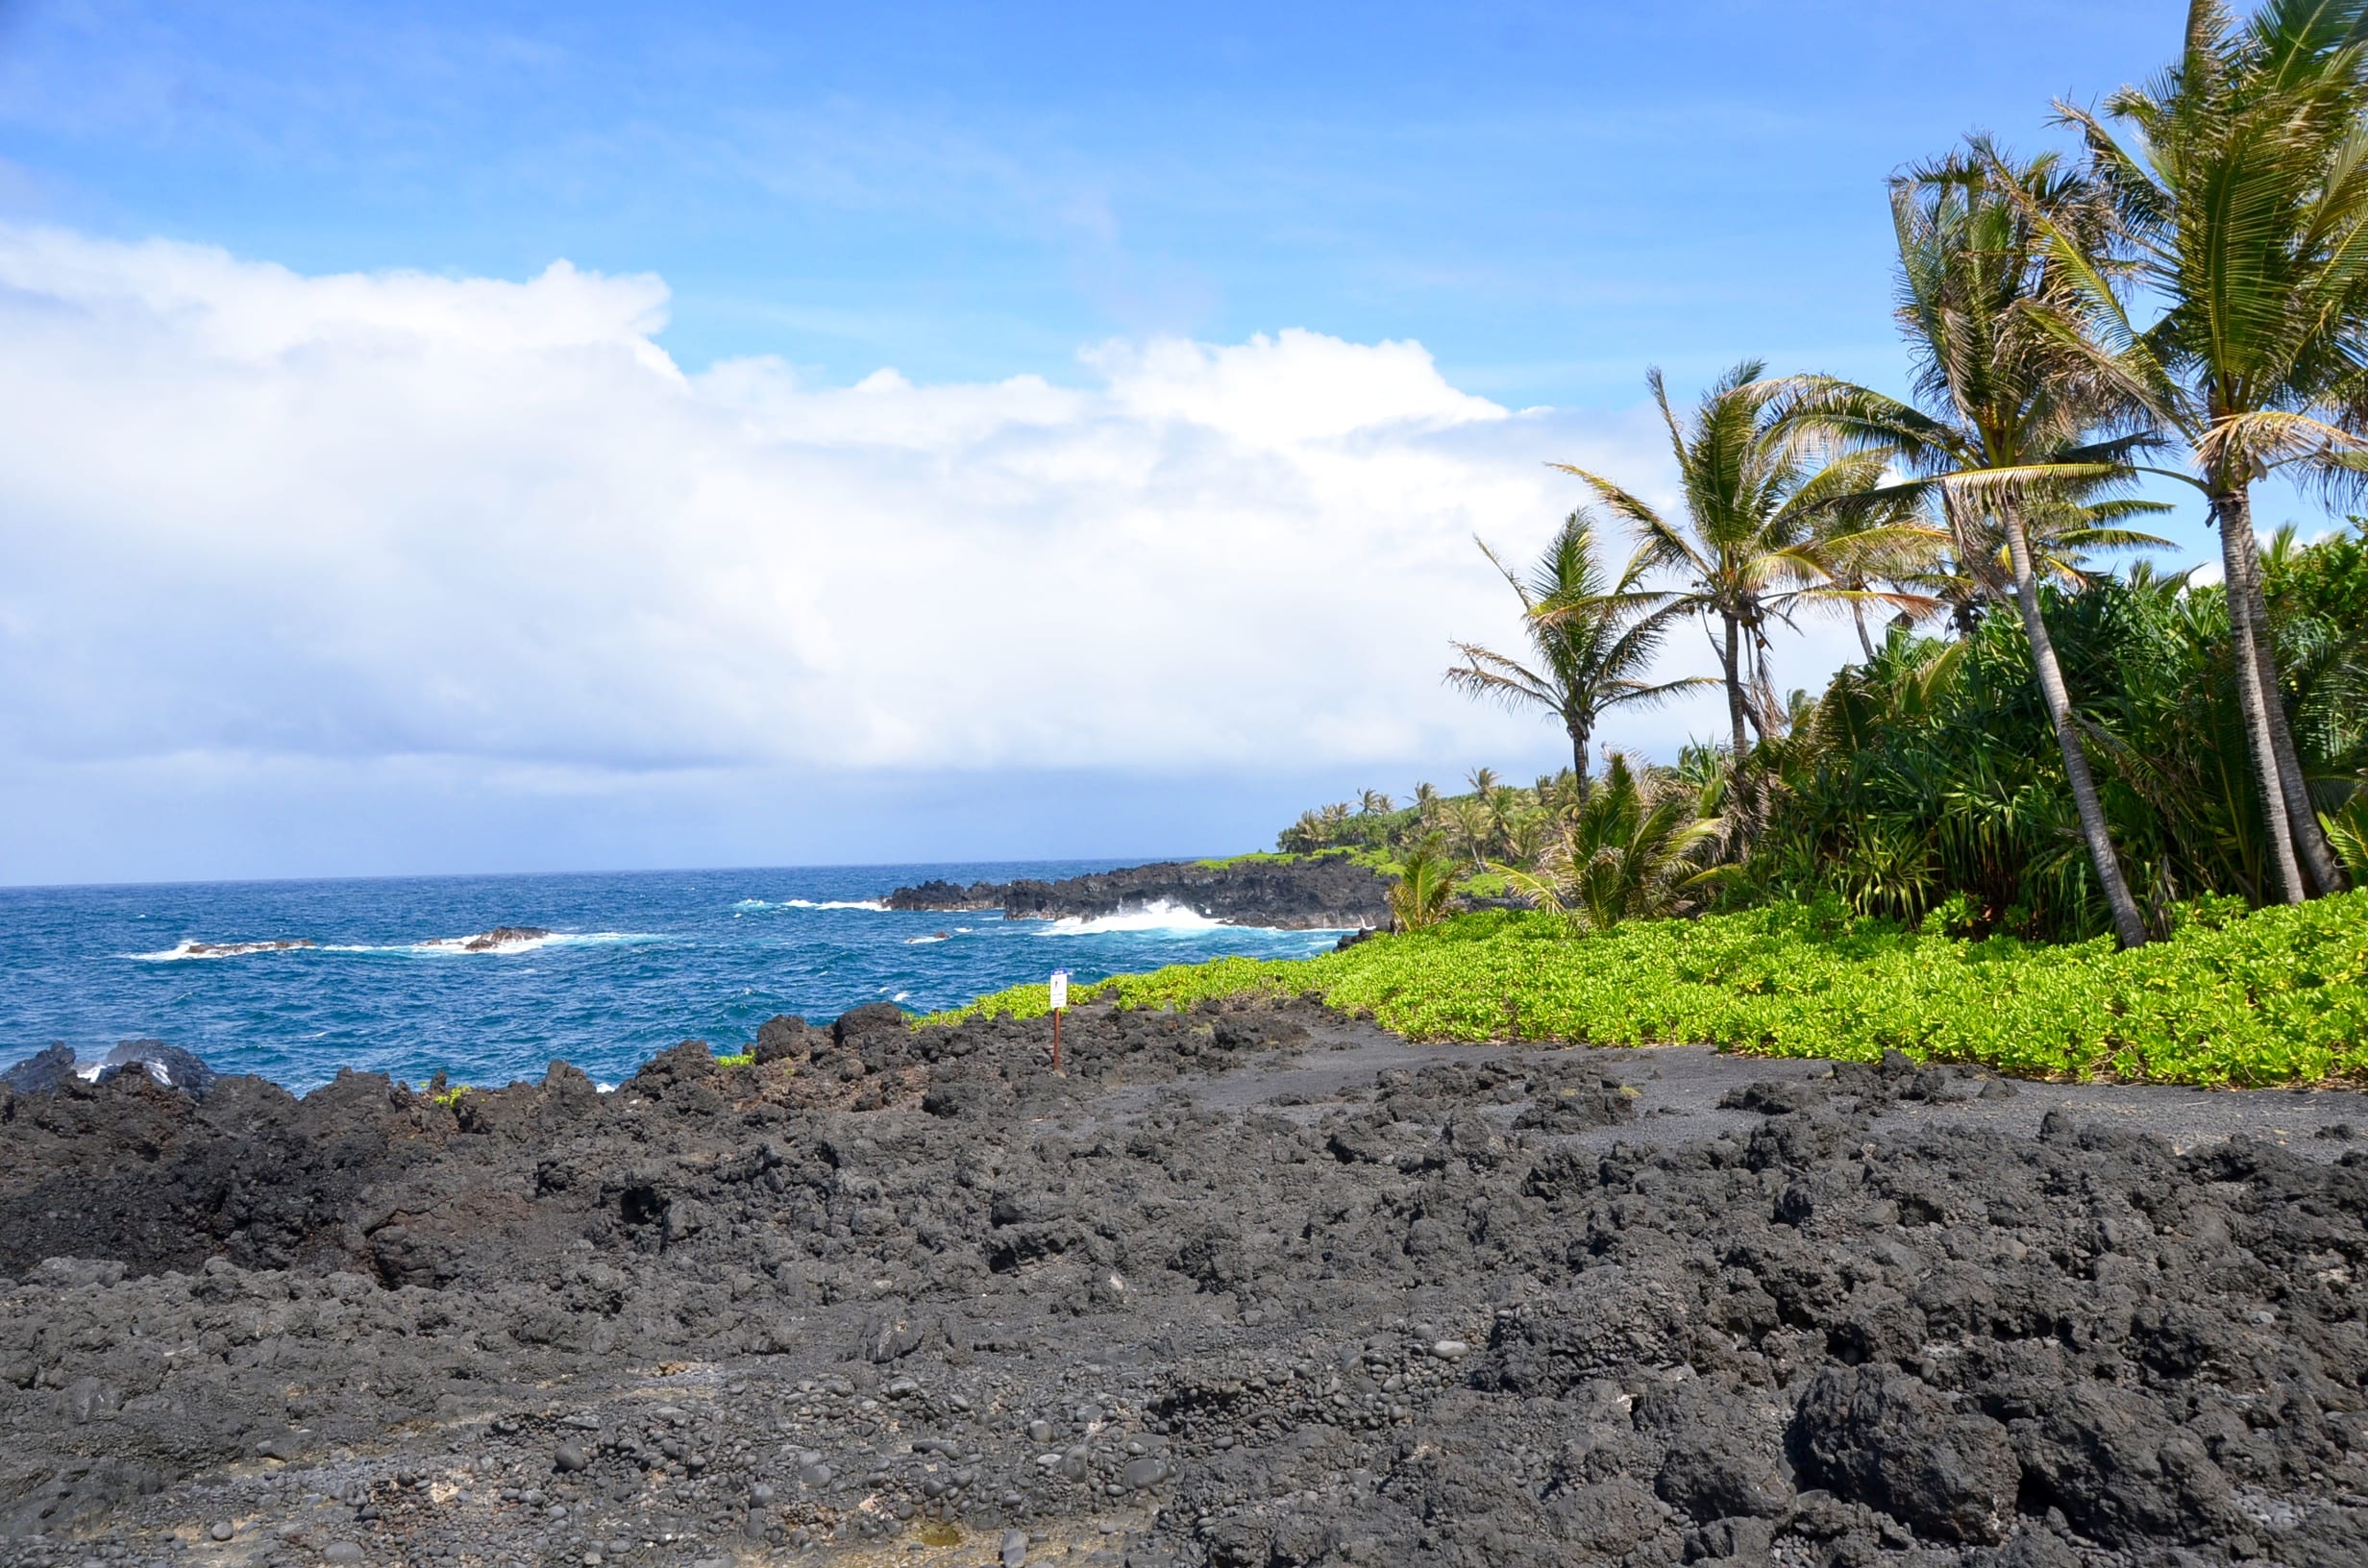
[
  {"x": 2279, "y": 995},
  {"x": 744, "y": 1059},
  {"x": 1372, "y": 860}
]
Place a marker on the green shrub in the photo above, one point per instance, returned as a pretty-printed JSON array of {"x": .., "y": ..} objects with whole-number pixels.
[{"x": 2230, "y": 998}]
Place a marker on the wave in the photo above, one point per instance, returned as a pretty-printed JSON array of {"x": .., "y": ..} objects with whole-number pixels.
[
  {"x": 221, "y": 949},
  {"x": 874, "y": 905},
  {"x": 1160, "y": 915},
  {"x": 503, "y": 940}
]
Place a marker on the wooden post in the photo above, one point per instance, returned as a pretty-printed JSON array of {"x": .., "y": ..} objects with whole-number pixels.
[{"x": 1058, "y": 991}]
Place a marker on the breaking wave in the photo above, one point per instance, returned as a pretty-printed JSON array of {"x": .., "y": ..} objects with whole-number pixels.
[
  {"x": 500, "y": 941},
  {"x": 1161, "y": 915},
  {"x": 219, "y": 949}
]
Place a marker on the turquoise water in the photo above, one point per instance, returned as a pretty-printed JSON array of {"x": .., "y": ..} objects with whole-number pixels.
[{"x": 638, "y": 961}]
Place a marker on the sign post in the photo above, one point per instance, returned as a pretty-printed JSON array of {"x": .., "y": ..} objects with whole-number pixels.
[{"x": 1059, "y": 990}]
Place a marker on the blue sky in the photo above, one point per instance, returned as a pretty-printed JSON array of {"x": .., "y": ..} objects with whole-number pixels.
[
  {"x": 1548, "y": 197},
  {"x": 762, "y": 205}
]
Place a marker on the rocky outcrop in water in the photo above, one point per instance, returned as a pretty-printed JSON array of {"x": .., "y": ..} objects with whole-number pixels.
[
  {"x": 1250, "y": 1286},
  {"x": 1317, "y": 893}
]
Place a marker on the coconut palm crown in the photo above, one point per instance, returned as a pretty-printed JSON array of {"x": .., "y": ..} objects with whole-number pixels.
[{"x": 1592, "y": 638}]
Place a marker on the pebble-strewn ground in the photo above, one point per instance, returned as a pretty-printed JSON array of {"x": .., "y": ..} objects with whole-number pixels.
[{"x": 1246, "y": 1287}]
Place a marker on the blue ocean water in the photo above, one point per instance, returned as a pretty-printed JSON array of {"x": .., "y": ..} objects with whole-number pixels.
[{"x": 638, "y": 961}]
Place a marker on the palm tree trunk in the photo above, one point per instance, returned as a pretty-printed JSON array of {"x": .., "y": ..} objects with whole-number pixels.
[
  {"x": 1730, "y": 661},
  {"x": 1578, "y": 760},
  {"x": 2318, "y": 856},
  {"x": 2232, "y": 513},
  {"x": 2128, "y": 925},
  {"x": 1857, "y": 619}
]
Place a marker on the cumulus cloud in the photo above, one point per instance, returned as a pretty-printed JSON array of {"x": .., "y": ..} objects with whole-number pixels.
[{"x": 251, "y": 514}]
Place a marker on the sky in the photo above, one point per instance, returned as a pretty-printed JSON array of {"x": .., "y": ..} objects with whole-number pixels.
[{"x": 467, "y": 438}]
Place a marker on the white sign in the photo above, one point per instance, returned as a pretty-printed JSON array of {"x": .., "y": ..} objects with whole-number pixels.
[{"x": 1060, "y": 990}]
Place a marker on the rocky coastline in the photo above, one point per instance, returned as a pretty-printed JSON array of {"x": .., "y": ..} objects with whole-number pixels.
[
  {"x": 1255, "y": 1285},
  {"x": 1317, "y": 893}
]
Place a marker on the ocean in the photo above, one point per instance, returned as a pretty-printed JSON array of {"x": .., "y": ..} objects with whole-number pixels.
[{"x": 635, "y": 962}]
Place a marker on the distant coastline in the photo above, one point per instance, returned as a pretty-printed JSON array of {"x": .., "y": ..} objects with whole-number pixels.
[{"x": 1299, "y": 893}]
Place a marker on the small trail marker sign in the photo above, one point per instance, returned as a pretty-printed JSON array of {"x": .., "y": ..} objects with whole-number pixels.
[{"x": 1060, "y": 1003}]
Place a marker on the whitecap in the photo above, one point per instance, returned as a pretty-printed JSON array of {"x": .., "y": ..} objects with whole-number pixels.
[
  {"x": 924, "y": 942},
  {"x": 221, "y": 949},
  {"x": 1161, "y": 915},
  {"x": 505, "y": 941},
  {"x": 876, "y": 906}
]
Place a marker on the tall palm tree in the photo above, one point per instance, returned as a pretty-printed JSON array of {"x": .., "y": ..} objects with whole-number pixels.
[
  {"x": 2011, "y": 425},
  {"x": 1750, "y": 546},
  {"x": 2242, "y": 193},
  {"x": 1592, "y": 638}
]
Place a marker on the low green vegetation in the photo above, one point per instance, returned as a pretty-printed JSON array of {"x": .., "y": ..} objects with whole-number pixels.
[
  {"x": 742, "y": 1059},
  {"x": 2229, "y": 997},
  {"x": 2027, "y": 826}
]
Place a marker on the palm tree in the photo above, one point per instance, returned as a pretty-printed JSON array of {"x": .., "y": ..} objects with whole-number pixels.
[
  {"x": 2243, "y": 203},
  {"x": 1426, "y": 804},
  {"x": 2011, "y": 425},
  {"x": 1750, "y": 546},
  {"x": 1592, "y": 639},
  {"x": 1420, "y": 897},
  {"x": 1374, "y": 803},
  {"x": 1635, "y": 851},
  {"x": 1470, "y": 825}
]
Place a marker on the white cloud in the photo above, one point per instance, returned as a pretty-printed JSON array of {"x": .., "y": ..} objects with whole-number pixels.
[{"x": 251, "y": 513}]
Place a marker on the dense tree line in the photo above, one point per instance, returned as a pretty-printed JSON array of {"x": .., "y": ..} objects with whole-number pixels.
[{"x": 2030, "y": 742}]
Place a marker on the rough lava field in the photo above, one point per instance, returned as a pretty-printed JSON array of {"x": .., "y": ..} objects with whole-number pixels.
[{"x": 1248, "y": 1287}]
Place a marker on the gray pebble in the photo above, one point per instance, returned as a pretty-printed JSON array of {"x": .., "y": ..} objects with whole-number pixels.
[
  {"x": 223, "y": 1529},
  {"x": 1014, "y": 1548},
  {"x": 570, "y": 1458},
  {"x": 342, "y": 1551}
]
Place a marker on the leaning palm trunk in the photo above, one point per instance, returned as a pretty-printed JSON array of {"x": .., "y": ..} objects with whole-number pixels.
[
  {"x": 2310, "y": 841},
  {"x": 2232, "y": 512},
  {"x": 2128, "y": 925}
]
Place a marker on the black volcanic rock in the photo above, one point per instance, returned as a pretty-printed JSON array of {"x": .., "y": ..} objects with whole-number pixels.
[
  {"x": 1251, "y": 1284},
  {"x": 1314, "y": 892}
]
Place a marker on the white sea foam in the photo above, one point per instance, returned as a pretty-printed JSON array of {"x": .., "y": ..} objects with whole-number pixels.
[
  {"x": 924, "y": 942},
  {"x": 1161, "y": 915},
  {"x": 478, "y": 944},
  {"x": 218, "y": 949},
  {"x": 875, "y": 905}
]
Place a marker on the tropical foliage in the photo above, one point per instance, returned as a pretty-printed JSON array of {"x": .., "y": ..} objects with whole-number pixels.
[
  {"x": 1594, "y": 638},
  {"x": 2033, "y": 749},
  {"x": 2277, "y": 996}
]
